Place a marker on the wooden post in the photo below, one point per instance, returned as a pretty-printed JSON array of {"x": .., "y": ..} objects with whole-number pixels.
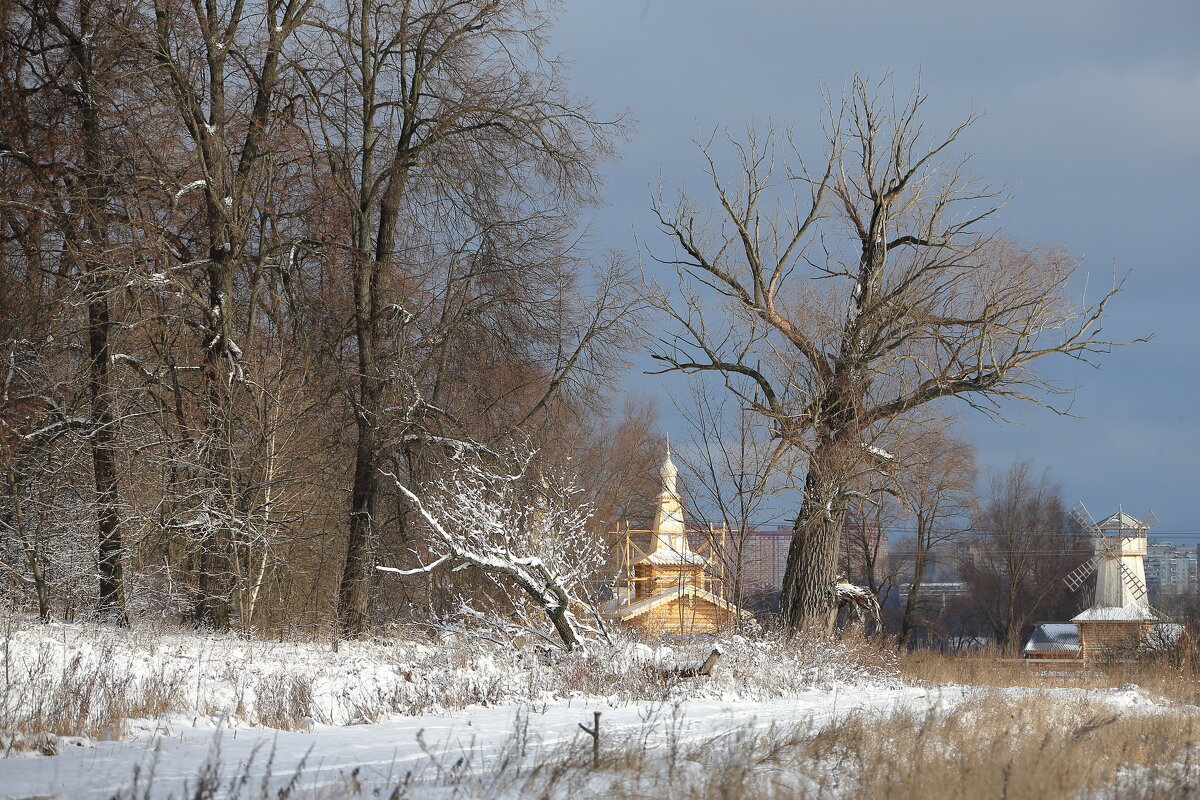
[{"x": 594, "y": 732}]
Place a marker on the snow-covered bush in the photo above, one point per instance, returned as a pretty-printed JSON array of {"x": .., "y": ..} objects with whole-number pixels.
[
  {"x": 760, "y": 667},
  {"x": 527, "y": 533}
]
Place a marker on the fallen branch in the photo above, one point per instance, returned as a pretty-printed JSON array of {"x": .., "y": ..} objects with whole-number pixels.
[{"x": 702, "y": 671}]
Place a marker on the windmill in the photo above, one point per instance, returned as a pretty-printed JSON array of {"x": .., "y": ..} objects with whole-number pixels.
[{"x": 1120, "y": 542}]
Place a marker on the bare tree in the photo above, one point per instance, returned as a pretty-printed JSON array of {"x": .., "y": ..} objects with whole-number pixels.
[
  {"x": 1026, "y": 545},
  {"x": 239, "y": 242},
  {"x": 864, "y": 554},
  {"x": 938, "y": 483},
  {"x": 68, "y": 67},
  {"x": 526, "y": 531},
  {"x": 47, "y": 505},
  {"x": 453, "y": 142},
  {"x": 880, "y": 293},
  {"x": 734, "y": 475},
  {"x": 221, "y": 67}
]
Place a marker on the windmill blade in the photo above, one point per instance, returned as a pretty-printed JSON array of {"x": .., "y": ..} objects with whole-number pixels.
[
  {"x": 1150, "y": 519},
  {"x": 1136, "y": 587},
  {"x": 1081, "y": 515},
  {"x": 1077, "y": 576}
]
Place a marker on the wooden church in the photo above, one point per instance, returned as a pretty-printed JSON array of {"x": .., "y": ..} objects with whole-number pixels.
[{"x": 669, "y": 587}]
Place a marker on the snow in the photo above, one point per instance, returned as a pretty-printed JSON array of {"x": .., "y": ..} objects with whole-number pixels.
[
  {"x": 191, "y": 186},
  {"x": 384, "y": 752},
  {"x": 1054, "y": 637},
  {"x": 385, "y": 709},
  {"x": 673, "y": 556},
  {"x": 878, "y": 452},
  {"x": 57, "y": 425},
  {"x": 1122, "y": 521},
  {"x": 1132, "y": 612}
]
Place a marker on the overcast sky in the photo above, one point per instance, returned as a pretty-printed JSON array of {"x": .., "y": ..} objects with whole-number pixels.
[{"x": 1091, "y": 120}]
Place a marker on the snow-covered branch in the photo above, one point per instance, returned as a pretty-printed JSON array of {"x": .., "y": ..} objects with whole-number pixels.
[{"x": 530, "y": 535}]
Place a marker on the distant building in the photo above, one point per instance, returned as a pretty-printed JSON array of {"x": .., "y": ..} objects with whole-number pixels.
[
  {"x": 938, "y": 593},
  {"x": 764, "y": 558},
  {"x": 765, "y": 552},
  {"x": 863, "y": 544},
  {"x": 1170, "y": 569}
]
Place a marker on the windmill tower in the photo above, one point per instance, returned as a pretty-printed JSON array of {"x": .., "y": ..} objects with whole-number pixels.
[
  {"x": 1120, "y": 614},
  {"x": 1120, "y": 542}
]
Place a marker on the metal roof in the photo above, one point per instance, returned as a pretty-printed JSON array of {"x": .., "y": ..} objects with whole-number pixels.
[
  {"x": 1054, "y": 637},
  {"x": 1122, "y": 521}
]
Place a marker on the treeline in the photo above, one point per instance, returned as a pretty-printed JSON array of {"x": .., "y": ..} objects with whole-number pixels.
[
  {"x": 254, "y": 256},
  {"x": 971, "y": 560}
]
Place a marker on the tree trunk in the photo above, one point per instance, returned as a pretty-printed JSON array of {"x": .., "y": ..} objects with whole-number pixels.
[
  {"x": 813, "y": 556},
  {"x": 103, "y": 441},
  {"x": 558, "y": 618},
  {"x": 910, "y": 606},
  {"x": 30, "y": 548},
  {"x": 103, "y": 446},
  {"x": 215, "y": 574},
  {"x": 354, "y": 591},
  {"x": 39, "y": 584}
]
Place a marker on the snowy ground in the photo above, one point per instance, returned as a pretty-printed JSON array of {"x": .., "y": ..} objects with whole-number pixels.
[
  {"x": 384, "y": 752},
  {"x": 373, "y": 716}
]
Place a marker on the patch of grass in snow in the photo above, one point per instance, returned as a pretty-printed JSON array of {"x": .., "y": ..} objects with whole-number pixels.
[
  {"x": 51, "y": 689},
  {"x": 997, "y": 745}
]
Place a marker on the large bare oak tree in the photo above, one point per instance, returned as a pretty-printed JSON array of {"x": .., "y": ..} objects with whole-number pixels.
[{"x": 835, "y": 301}]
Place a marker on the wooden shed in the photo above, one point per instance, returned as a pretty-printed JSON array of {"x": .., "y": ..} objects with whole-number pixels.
[
  {"x": 1108, "y": 631},
  {"x": 1053, "y": 641}
]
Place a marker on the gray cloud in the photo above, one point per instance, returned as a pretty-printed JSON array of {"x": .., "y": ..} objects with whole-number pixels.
[{"x": 1092, "y": 117}]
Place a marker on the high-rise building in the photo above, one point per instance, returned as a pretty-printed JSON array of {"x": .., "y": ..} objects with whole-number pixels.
[
  {"x": 764, "y": 553},
  {"x": 1169, "y": 569},
  {"x": 764, "y": 557},
  {"x": 864, "y": 549}
]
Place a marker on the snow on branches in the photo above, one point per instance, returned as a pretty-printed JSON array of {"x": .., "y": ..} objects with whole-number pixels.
[{"x": 526, "y": 531}]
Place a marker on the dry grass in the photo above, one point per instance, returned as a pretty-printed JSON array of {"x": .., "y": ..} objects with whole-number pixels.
[
  {"x": 1173, "y": 676},
  {"x": 1011, "y": 747},
  {"x": 1002, "y": 744},
  {"x": 999, "y": 745},
  {"x": 78, "y": 699}
]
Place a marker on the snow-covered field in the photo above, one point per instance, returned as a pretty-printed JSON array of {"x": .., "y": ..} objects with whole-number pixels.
[
  {"x": 232, "y": 717},
  {"x": 382, "y": 754}
]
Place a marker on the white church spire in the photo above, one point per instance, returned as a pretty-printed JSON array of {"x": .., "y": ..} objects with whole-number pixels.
[{"x": 670, "y": 537}]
